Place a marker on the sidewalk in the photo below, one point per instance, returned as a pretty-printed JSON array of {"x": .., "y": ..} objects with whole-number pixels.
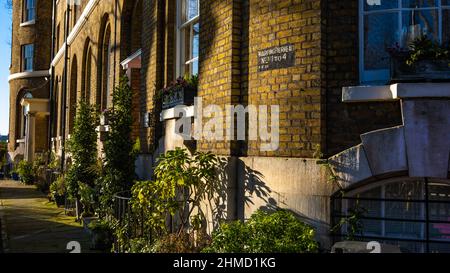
[{"x": 31, "y": 224}]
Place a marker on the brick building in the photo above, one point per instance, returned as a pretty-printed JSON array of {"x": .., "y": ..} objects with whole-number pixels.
[{"x": 300, "y": 55}]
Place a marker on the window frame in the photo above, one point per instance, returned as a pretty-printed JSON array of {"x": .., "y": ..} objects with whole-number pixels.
[
  {"x": 24, "y": 58},
  {"x": 375, "y": 76},
  {"x": 26, "y": 9},
  {"x": 181, "y": 28}
]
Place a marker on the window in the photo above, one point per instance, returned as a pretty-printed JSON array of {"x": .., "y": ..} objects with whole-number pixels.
[
  {"x": 387, "y": 22},
  {"x": 27, "y": 57},
  {"x": 29, "y": 10},
  {"x": 413, "y": 213},
  {"x": 105, "y": 95},
  {"x": 188, "y": 37}
]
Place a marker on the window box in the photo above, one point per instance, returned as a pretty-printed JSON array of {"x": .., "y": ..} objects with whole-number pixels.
[
  {"x": 179, "y": 96},
  {"x": 422, "y": 70}
]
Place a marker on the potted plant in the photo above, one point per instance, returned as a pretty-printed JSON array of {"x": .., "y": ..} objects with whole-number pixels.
[
  {"x": 58, "y": 191},
  {"x": 423, "y": 60},
  {"x": 101, "y": 234},
  {"x": 181, "y": 91},
  {"x": 26, "y": 172}
]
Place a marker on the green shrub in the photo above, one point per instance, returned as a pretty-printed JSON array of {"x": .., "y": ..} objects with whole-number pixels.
[
  {"x": 58, "y": 187},
  {"x": 278, "y": 232},
  {"x": 118, "y": 172},
  {"x": 26, "y": 172},
  {"x": 83, "y": 148}
]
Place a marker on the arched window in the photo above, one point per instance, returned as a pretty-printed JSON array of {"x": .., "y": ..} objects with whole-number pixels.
[
  {"x": 105, "y": 68},
  {"x": 72, "y": 100},
  {"x": 21, "y": 114},
  {"x": 131, "y": 33},
  {"x": 413, "y": 213},
  {"x": 86, "y": 73}
]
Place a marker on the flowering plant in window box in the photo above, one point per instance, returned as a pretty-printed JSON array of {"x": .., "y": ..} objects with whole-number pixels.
[
  {"x": 181, "y": 91},
  {"x": 423, "y": 60}
]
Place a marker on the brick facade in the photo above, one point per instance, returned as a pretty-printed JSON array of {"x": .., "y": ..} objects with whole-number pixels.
[
  {"x": 38, "y": 35},
  {"x": 313, "y": 119},
  {"x": 345, "y": 122}
]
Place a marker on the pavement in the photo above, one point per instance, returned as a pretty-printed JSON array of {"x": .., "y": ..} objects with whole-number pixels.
[{"x": 32, "y": 224}]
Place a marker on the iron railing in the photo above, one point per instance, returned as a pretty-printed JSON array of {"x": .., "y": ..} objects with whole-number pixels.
[{"x": 428, "y": 242}]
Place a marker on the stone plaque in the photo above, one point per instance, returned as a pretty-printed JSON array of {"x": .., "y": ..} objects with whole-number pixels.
[{"x": 276, "y": 57}]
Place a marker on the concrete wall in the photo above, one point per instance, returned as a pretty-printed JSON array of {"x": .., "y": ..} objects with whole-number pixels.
[{"x": 297, "y": 184}]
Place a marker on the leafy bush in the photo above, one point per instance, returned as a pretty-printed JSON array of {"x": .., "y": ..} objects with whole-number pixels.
[
  {"x": 58, "y": 187},
  {"x": 26, "y": 172},
  {"x": 39, "y": 170},
  {"x": 83, "y": 148},
  {"x": 278, "y": 232},
  {"x": 118, "y": 173},
  {"x": 101, "y": 234},
  {"x": 182, "y": 183},
  {"x": 87, "y": 199}
]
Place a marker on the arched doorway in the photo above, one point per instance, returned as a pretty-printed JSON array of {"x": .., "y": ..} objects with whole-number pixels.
[{"x": 413, "y": 213}]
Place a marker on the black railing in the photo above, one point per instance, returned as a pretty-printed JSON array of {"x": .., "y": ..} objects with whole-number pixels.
[
  {"x": 435, "y": 230},
  {"x": 133, "y": 220},
  {"x": 122, "y": 206}
]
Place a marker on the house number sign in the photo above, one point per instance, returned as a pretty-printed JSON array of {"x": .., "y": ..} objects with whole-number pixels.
[{"x": 276, "y": 57}]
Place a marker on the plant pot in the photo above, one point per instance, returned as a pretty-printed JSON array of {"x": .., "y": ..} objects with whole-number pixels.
[
  {"x": 101, "y": 240},
  {"x": 420, "y": 71},
  {"x": 15, "y": 176},
  {"x": 60, "y": 200},
  {"x": 179, "y": 96}
]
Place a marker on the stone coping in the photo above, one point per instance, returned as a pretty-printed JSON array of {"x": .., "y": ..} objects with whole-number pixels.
[
  {"x": 171, "y": 113},
  {"x": 395, "y": 92}
]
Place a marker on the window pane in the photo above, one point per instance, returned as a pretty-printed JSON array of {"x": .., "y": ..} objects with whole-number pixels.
[
  {"x": 419, "y": 3},
  {"x": 191, "y": 9},
  {"x": 195, "y": 40},
  {"x": 380, "y": 32},
  {"x": 446, "y": 26},
  {"x": 28, "y": 57},
  {"x": 417, "y": 23},
  {"x": 446, "y": 2},
  {"x": 380, "y": 4},
  {"x": 30, "y": 10}
]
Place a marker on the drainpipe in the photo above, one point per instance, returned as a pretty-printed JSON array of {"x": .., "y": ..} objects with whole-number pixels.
[
  {"x": 52, "y": 82},
  {"x": 64, "y": 89}
]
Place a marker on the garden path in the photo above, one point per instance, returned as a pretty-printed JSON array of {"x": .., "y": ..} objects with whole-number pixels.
[{"x": 31, "y": 224}]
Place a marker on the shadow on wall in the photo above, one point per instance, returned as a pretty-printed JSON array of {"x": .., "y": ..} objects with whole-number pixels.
[{"x": 227, "y": 199}]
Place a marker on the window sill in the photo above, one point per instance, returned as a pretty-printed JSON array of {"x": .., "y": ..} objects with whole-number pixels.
[
  {"x": 28, "y": 23},
  {"x": 395, "y": 92}
]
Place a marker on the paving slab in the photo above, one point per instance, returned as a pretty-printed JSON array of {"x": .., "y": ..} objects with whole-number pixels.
[{"x": 32, "y": 224}]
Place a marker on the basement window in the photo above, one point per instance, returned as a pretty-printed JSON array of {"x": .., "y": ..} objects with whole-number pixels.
[
  {"x": 385, "y": 23},
  {"x": 188, "y": 30}
]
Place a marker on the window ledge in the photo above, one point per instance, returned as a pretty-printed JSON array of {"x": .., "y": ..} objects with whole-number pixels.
[
  {"x": 395, "y": 92},
  {"x": 28, "y": 23},
  {"x": 188, "y": 112}
]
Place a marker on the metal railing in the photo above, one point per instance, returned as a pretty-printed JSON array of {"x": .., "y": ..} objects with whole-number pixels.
[{"x": 428, "y": 242}]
